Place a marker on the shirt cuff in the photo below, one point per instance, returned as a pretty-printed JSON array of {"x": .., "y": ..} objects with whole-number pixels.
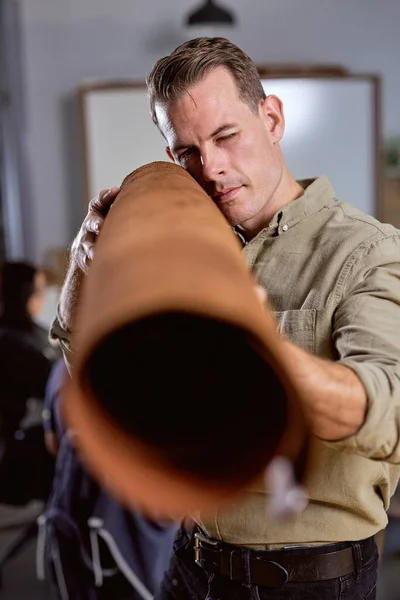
[{"x": 378, "y": 437}]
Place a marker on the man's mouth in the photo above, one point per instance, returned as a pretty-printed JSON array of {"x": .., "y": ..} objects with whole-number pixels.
[{"x": 226, "y": 195}]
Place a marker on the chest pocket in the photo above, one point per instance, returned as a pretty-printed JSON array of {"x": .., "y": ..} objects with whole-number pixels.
[{"x": 299, "y": 327}]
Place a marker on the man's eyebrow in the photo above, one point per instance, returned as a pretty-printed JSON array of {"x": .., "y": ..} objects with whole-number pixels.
[
  {"x": 180, "y": 147},
  {"x": 213, "y": 134},
  {"x": 222, "y": 128}
]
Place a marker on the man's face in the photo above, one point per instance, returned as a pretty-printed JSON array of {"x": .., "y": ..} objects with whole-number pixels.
[{"x": 232, "y": 153}]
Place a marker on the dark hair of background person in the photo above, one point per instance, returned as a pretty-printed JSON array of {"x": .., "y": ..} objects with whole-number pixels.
[{"x": 18, "y": 285}]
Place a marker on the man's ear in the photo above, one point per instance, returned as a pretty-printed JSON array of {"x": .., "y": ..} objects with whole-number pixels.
[
  {"x": 169, "y": 153},
  {"x": 271, "y": 110}
]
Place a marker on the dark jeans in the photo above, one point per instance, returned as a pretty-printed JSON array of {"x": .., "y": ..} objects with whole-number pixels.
[{"x": 185, "y": 580}]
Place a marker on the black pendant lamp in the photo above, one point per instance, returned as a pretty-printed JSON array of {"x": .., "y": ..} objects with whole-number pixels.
[{"x": 210, "y": 14}]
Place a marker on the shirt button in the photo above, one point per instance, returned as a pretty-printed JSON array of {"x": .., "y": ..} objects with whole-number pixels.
[{"x": 285, "y": 227}]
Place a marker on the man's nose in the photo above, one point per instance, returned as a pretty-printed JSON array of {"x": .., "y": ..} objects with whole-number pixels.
[{"x": 213, "y": 164}]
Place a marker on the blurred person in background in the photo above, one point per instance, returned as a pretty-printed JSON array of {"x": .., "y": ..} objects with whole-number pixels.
[
  {"x": 26, "y": 359},
  {"x": 130, "y": 564}
]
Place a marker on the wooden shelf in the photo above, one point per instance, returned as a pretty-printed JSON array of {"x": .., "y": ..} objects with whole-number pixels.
[{"x": 391, "y": 200}]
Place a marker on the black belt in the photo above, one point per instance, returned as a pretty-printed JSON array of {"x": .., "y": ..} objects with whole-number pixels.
[{"x": 273, "y": 568}]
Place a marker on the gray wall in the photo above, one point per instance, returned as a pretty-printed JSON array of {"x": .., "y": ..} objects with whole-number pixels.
[{"x": 66, "y": 42}]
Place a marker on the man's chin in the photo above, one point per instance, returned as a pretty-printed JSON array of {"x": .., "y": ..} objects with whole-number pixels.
[
  {"x": 234, "y": 218},
  {"x": 231, "y": 215}
]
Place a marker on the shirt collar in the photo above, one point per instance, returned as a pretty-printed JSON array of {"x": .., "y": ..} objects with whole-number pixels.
[{"x": 317, "y": 194}]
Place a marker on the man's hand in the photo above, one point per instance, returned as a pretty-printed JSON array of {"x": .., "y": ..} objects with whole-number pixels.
[
  {"x": 261, "y": 294},
  {"x": 82, "y": 250},
  {"x": 81, "y": 255}
]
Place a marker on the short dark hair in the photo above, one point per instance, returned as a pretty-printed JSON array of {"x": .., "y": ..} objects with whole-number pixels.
[
  {"x": 17, "y": 284},
  {"x": 190, "y": 62}
]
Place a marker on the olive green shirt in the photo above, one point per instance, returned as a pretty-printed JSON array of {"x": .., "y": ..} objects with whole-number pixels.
[{"x": 332, "y": 274}]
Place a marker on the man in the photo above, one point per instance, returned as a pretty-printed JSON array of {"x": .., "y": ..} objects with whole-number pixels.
[{"x": 332, "y": 276}]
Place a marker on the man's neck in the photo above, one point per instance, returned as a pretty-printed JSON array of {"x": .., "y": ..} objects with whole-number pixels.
[{"x": 288, "y": 190}]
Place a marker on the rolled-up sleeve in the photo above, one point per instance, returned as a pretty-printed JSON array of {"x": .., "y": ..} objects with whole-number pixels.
[{"x": 367, "y": 338}]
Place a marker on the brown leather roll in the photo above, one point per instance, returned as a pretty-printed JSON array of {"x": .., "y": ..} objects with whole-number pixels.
[{"x": 176, "y": 395}]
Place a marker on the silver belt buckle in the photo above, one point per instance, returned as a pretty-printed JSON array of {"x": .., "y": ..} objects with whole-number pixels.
[{"x": 199, "y": 538}]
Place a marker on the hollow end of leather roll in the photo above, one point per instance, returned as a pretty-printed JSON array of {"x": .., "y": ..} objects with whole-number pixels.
[{"x": 179, "y": 411}]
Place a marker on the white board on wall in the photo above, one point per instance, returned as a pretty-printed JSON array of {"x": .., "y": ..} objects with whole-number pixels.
[
  {"x": 119, "y": 135},
  {"x": 331, "y": 129}
]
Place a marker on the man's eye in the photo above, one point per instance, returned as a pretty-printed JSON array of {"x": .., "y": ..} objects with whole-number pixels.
[
  {"x": 225, "y": 138},
  {"x": 186, "y": 153}
]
